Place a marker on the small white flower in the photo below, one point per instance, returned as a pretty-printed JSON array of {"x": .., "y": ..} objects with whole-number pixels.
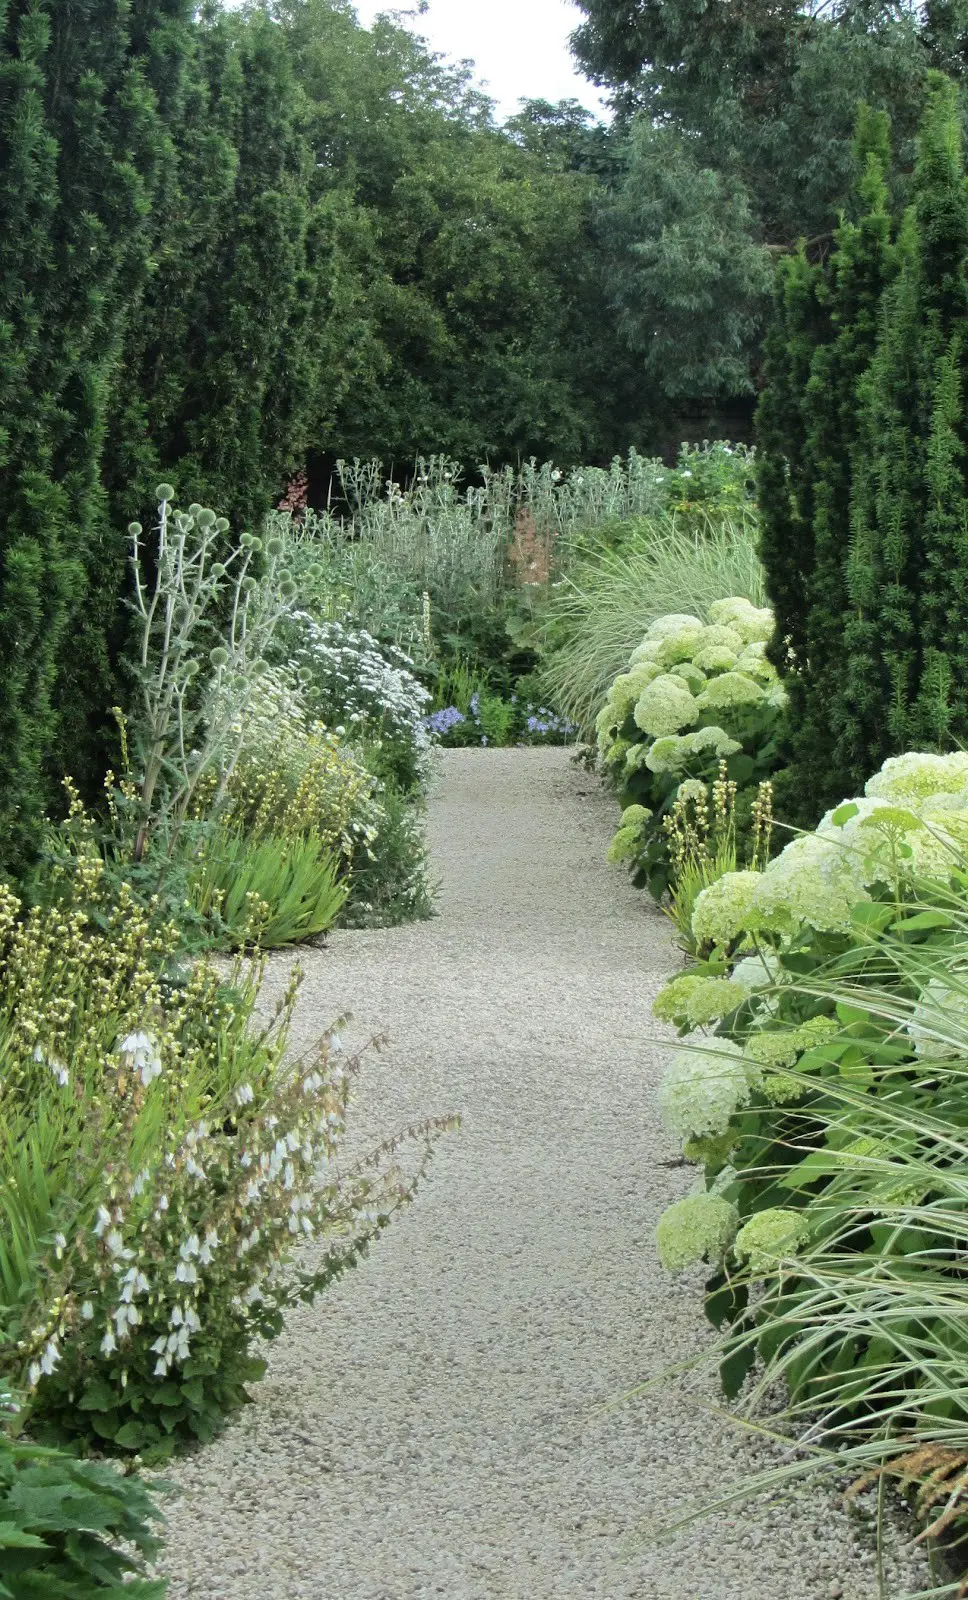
[
  {"x": 87, "y": 1311},
  {"x": 244, "y": 1094},
  {"x": 109, "y": 1343}
]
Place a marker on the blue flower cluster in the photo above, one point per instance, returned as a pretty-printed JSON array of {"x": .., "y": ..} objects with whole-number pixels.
[
  {"x": 441, "y": 722},
  {"x": 545, "y": 721}
]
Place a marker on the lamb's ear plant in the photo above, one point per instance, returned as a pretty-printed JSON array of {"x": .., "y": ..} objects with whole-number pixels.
[{"x": 207, "y": 621}]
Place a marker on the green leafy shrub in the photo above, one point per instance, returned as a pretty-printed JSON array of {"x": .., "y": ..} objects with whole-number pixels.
[
  {"x": 73, "y": 1530},
  {"x": 829, "y": 1107},
  {"x": 168, "y": 1158},
  {"x": 272, "y": 891},
  {"x": 698, "y": 703},
  {"x": 391, "y": 873}
]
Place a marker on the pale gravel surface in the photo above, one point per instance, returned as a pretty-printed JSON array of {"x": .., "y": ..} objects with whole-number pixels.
[{"x": 433, "y": 1426}]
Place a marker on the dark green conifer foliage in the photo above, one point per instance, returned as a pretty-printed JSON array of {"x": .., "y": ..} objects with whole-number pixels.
[
  {"x": 79, "y": 148},
  {"x": 852, "y": 291},
  {"x": 784, "y": 479},
  {"x": 881, "y": 459}
]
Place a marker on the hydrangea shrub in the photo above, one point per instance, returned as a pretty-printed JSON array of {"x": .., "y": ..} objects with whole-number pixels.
[
  {"x": 696, "y": 695},
  {"x": 786, "y": 1066}
]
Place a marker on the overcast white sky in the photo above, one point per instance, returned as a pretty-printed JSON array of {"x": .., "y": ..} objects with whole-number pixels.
[{"x": 520, "y": 47}]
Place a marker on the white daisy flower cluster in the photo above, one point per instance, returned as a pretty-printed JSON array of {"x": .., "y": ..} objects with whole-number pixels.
[{"x": 350, "y": 679}]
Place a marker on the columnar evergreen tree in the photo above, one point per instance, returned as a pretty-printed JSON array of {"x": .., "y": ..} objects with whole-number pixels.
[
  {"x": 852, "y": 290},
  {"x": 875, "y": 455},
  {"x": 80, "y": 146}
]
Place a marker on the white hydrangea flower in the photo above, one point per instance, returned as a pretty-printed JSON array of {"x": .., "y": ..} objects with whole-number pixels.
[
  {"x": 666, "y": 706},
  {"x": 761, "y": 971},
  {"x": 704, "y": 1086},
  {"x": 699, "y": 1228},
  {"x": 753, "y": 623},
  {"x": 813, "y": 882},
  {"x": 725, "y": 909},
  {"x": 771, "y": 1237},
  {"x": 716, "y": 658},
  {"x": 673, "y": 622},
  {"x": 730, "y": 690},
  {"x": 698, "y": 998},
  {"x": 916, "y": 775},
  {"x": 720, "y": 634},
  {"x": 939, "y": 1022},
  {"x": 691, "y": 674}
]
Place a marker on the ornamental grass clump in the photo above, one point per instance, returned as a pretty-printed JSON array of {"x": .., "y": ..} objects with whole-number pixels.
[
  {"x": 163, "y": 1157},
  {"x": 699, "y": 707}
]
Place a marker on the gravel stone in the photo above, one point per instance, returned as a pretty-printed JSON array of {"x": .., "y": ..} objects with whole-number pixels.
[{"x": 444, "y": 1420}]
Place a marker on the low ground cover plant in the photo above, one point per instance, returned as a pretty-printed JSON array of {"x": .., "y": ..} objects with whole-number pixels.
[
  {"x": 822, "y": 1093},
  {"x": 699, "y": 703}
]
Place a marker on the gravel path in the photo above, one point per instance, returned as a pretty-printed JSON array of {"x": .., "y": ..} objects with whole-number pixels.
[{"x": 434, "y": 1425}]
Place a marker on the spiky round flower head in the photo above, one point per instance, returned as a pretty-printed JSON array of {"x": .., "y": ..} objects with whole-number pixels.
[
  {"x": 164, "y": 492},
  {"x": 135, "y": 529},
  {"x": 665, "y": 706},
  {"x": 222, "y": 524},
  {"x": 191, "y": 668},
  {"x": 248, "y": 585},
  {"x": 703, "y": 1087},
  {"x": 217, "y": 569},
  {"x": 194, "y": 510},
  {"x": 692, "y": 675},
  {"x": 771, "y": 1237},
  {"x": 699, "y": 1228},
  {"x": 916, "y": 775},
  {"x": 205, "y": 518},
  {"x": 715, "y": 658},
  {"x": 697, "y": 1000},
  {"x": 731, "y": 690},
  {"x": 725, "y": 909},
  {"x": 812, "y": 882},
  {"x": 288, "y": 589},
  {"x": 219, "y": 657},
  {"x": 274, "y": 547}
]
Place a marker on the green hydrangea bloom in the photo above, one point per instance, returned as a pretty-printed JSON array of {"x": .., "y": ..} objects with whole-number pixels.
[
  {"x": 811, "y": 882},
  {"x": 635, "y": 816},
  {"x": 704, "y": 1086},
  {"x": 712, "y": 1149},
  {"x": 671, "y": 753},
  {"x": 870, "y": 1157},
  {"x": 691, "y": 674},
  {"x": 771, "y": 1237},
  {"x": 628, "y": 686},
  {"x": 698, "y": 999},
  {"x": 731, "y": 690},
  {"x": 780, "y": 1047},
  {"x": 718, "y": 633},
  {"x": 673, "y": 622},
  {"x": 715, "y": 658},
  {"x": 753, "y": 624},
  {"x": 755, "y": 665},
  {"x": 725, "y": 910},
  {"x": 693, "y": 789},
  {"x": 678, "y": 647},
  {"x": 666, "y": 706},
  {"x": 699, "y": 1228}
]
